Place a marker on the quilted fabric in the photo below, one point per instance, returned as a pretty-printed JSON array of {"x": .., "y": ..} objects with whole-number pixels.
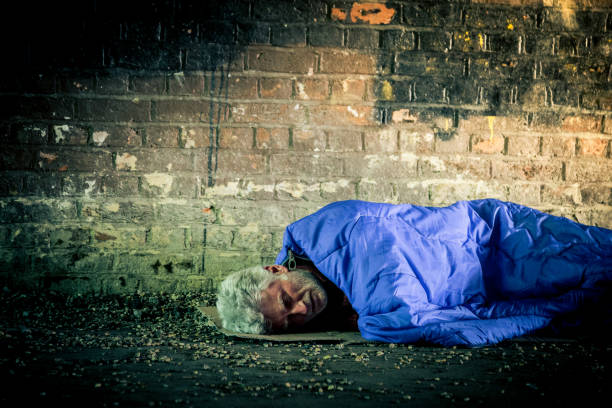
[{"x": 473, "y": 273}]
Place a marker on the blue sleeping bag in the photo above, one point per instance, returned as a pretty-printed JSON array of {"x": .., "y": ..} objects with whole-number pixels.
[{"x": 473, "y": 273}]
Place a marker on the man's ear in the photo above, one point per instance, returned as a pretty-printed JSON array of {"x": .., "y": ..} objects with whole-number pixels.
[{"x": 276, "y": 269}]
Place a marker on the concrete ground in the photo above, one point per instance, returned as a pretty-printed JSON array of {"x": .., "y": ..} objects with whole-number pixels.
[{"x": 150, "y": 351}]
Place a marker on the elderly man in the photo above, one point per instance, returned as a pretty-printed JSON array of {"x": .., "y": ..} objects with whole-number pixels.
[{"x": 472, "y": 273}]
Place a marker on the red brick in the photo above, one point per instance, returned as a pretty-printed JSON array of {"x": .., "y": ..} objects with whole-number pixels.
[
  {"x": 348, "y": 89},
  {"x": 589, "y": 170},
  {"x": 527, "y": 146},
  {"x": 148, "y": 84},
  {"x": 342, "y": 115},
  {"x": 485, "y": 144},
  {"x": 274, "y": 138},
  {"x": 241, "y": 87},
  {"x": 116, "y": 136},
  {"x": 189, "y": 111},
  {"x": 35, "y": 107},
  {"x": 381, "y": 140},
  {"x": 582, "y": 123},
  {"x": 195, "y": 137},
  {"x": 558, "y": 146},
  {"x": 181, "y": 83},
  {"x": 73, "y": 160},
  {"x": 294, "y": 61},
  {"x": 114, "y": 110},
  {"x": 344, "y": 140},
  {"x": 312, "y": 89},
  {"x": 593, "y": 147},
  {"x": 232, "y": 162},
  {"x": 271, "y": 113},
  {"x": 236, "y": 138},
  {"x": 300, "y": 164},
  {"x": 343, "y": 62},
  {"x": 162, "y": 136},
  {"x": 493, "y": 124},
  {"x": 536, "y": 169},
  {"x": 279, "y": 88},
  {"x": 309, "y": 139}
]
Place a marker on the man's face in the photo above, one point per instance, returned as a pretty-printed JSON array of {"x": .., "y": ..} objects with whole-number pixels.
[{"x": 291, "y": 303}]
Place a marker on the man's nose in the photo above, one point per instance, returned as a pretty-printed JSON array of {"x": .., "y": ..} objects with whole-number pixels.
[{"x": 299, "y": 308}]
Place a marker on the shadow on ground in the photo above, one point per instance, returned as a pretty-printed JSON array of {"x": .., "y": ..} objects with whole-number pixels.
[{"x": 149, "y": 351}]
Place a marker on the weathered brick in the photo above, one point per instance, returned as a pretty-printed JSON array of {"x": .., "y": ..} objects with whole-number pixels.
[
  {"x": 444, "y": 193},
  {"x": 561, "y": 194},
  {"x": 485, "y": 144},
  {"x": 299, "y": 164},
  {"x": 558, "y": 146},
  {"x": 149, "y": 84},
  {"x": 169, "y": 185},
  {"x": 344, "y": 62},
  {"x": 230, "y": 162},
  {"x": 341, "y": 115},
  {"x": 344, "y": 140},
  {"x": 381, "y": 165},
  {"x": 252, "y": 239},
  {"x": 348, "y": 90},
  {"x": 276, "y": 88},
  {"x": 76, "y": 83},
  {"x": 10, "y": 185},
  {"x": 309, "y": 139},
  {"x": 31, "y": 133},
  {"x": 307, "y": 188},
  {"x": 109, "y": 236},
  {"x": 189, "y": 111},
  {"x": 272, "y": 113},
  {"x": 399, "y": 40},
  {"x": 32, "y": 210},
  {"x": 376, "y": 190},
  {"x": 181, "y": 83},
  {"x": 591, "y": 170},
  {"x": 272, "y": 138},
  {"x": 236, "y": 138},
  {"x": 114, "y": 110},
  {"x": 524, "y": 193},
  {"x": 236, "y": 213},
  {"x": 118, "y": 185},
  {"x": 69, "y": 135},
  {"x": 597, "y": 147},
  {"x": 43, "y": 185},
  {"x": 582, "y": 123},
  {"x": 241, "y": 87},
  {"x": 458, "y": 142},
  {"x": 528, "y": 146},
  {"x": 294, "y": 61},
  {"x": 362, "y": 38},
  {"x": 220, "y": 263},
  {"x": 252, "y": 187},
  {"x": 116, "y": 84},
  {"x": 192, "y": 137},
  {"x": 73, "y": 160},
  {"x": 255, "y": 33},
  {"x": 381, "y": 140},
  {"x": 151, "y": 160},
  {"x": 116, "y": 136},
  {"x": 35, "y": 107},
  {"x": 161, "y": 136},
  {"x": 310, "y": 88},
  {"x": 326, "y": 36},
  {"x": 413, "y": 192},
  {"x": 416, "y": 138},
  {"x": 337, "y": 190},
  {"x": 536, "y": 169},
  {"x": 596, "y": 194},
  {"x": 289, "y": 35},
  {"x": 454, "y": 166},
  {"x": 122, "y": 212}
]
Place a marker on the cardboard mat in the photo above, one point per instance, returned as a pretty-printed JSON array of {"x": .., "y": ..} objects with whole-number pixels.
[{"x": 327, "y": 336}]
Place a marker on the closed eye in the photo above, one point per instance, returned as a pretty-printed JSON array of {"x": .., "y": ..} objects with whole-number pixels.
[{"x": 286, "y": 299}]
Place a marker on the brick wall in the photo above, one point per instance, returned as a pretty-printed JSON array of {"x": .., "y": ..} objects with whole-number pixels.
[{"x": 157, "y": 146}]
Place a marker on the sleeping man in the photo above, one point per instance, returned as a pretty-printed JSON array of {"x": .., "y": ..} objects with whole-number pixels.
[{"x": 473, "y": 273}]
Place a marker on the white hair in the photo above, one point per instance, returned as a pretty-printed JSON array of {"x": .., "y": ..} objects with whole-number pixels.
[{"x": 239, "y": 300}]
